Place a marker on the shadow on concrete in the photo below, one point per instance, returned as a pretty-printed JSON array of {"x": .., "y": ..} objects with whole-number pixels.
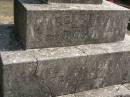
[
  {"x": 9, "y": 40},
  {"x": 128, "y": 27},
  {"x": 35, "y": 1}
]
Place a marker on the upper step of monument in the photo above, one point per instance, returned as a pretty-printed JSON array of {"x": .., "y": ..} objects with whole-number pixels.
[{"x": 64, "y": 1}]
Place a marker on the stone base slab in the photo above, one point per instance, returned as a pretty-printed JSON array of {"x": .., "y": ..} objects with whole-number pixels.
[
  {"x": 78, "y": 1},
  {"x": 121, "y": 90},
  {"x": 64, "y": 70},
  {"x": 59, "y": 24},
  {"x": 63, "y": 1}
]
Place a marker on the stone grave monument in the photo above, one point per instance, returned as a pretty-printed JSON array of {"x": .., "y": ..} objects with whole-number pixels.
[{"x": 70, "y": 46}]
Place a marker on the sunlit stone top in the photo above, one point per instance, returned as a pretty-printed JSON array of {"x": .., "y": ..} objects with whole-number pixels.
[
  {"x": 65, "y": 1},
  {"x": 77, "y": 1}
]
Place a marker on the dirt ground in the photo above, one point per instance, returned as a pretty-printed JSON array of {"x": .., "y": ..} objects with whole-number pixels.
[{"x": 6, "y": 11}]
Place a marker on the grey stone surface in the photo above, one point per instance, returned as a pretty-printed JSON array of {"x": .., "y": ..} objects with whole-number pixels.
[
  {"x": 50, "y": 72},
  {"x": 111, "y": 91},
  {"x": 52, "y": 25},
  {"x": 63, "y": 1},
  {"x": 77, "y": 1}
]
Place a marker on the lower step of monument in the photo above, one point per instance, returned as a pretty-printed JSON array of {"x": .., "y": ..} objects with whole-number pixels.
[
  {"x": 63, "y": 1},
  {"x": 59, "y": 24},
  {"x": 121, "y": 90},
  {"x": 77, "y": 1},
  {"x": 51, "y": 72}
]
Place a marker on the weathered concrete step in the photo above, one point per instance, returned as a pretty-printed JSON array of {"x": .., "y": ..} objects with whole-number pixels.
[
  {"x": 53, "y": 25},
  {"x": 63, "y": 1},
  {"x": 111, "y": 91},
  {"x": 65, "y": 70},
  {"x": 77, "y": 1}
]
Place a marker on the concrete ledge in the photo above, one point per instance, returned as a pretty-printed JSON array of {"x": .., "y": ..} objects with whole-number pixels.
[
  {"x": 65, "y": 70},
  {"x": 78, "y": 1},
  {"x": 63, "y": 1},
  {"x": 59, "y": 25},
  {"x": 111, "y": 91}
]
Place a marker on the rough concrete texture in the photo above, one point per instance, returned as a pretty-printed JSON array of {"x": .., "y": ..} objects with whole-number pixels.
[
  {"x": 77, "y": 1},
  {"x": 52, "y": 25},
  {"x": 8, "y": 42},
  {"x": 111, "y": 91},
  {"x": 64, "y": 70},
  {"x": 63, "y": 1}
]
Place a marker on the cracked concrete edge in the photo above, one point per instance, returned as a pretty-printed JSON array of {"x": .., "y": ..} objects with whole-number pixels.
[
  {"x": 32, "y": 55},
  {"x": 35, "y": 74},
  {"x": 36, "y": 55},
  {"x": 31, "y": 58},
  {"x": 121, "y": 90},
  {"x": 50, "y": 91}
]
